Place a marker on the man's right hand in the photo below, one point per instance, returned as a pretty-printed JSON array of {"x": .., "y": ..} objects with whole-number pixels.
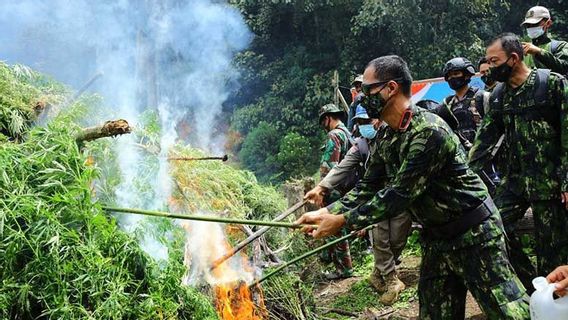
[
  {"x": 316, "y": 195},
  {"x": 560, "y": 277}
]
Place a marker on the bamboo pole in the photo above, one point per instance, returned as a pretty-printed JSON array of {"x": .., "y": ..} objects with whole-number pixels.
[
  {"x": 343, "y": 101},
  {"x": 256, "y": 235},
  {"x": 309, "y": 254},
  {"x": 205, "y": 218},
  {"x": 223, "y": 158}
]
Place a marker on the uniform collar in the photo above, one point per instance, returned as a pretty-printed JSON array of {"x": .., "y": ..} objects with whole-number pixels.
[
  {"x": 544, "y": 39},
  {"x": 531, "y": 79},
  {"x": 469, "y": 93}
]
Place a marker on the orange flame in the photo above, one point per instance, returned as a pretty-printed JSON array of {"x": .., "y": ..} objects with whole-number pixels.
[
  {"x": 233, "y": 298},
  {"x": 234, "y": 302}
]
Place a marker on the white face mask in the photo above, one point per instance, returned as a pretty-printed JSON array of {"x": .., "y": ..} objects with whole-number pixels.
[{"x": 535, "y": 32}]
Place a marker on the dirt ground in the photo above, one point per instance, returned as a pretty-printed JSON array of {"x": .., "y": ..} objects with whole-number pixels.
[{"x": 329, "y": 292}]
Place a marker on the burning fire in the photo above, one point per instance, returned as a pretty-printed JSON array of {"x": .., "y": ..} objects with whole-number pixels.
[{"x": 230, "y": 280}]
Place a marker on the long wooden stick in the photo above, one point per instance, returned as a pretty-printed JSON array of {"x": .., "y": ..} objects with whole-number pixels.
[
  {"x": 205, "y": 218},
  {"x": 256, "y": 235},
  {"x": 223, "y": 158},
  {"x": 309, "y": 254}
]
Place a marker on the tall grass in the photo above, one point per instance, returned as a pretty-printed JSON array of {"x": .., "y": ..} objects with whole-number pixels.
[{"x": 61, "y": 256}]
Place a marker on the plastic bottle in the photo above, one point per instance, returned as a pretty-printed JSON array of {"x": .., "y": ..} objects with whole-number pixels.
[{"x": 543, "y": 306}]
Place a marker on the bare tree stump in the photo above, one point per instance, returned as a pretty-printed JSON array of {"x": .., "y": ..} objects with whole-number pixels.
[{"x": 295, "y": 190}]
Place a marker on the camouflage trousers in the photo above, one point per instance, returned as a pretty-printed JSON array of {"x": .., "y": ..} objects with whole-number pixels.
[
  {"x": 389, "y": 239},
  {"x": 340, "y": 256},
  {"x": 551, "y": 235},
  {"x": 483, "y": 269}
]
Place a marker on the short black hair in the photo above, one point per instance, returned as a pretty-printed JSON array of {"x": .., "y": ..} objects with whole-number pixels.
[
  {"x": 483, "y": 60},
  {"x": 510, "y": 43},
  {"x": 393, "y": 67}
]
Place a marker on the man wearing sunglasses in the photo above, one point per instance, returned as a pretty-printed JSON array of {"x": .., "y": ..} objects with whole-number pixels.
[
  {"x": 389, "y": 237},
  {"x": 419, "y": 165},
  {"x": 543, "y": 52}
]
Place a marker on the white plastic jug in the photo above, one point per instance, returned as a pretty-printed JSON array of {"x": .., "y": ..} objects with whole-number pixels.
[{"x": 543, "y": 306}]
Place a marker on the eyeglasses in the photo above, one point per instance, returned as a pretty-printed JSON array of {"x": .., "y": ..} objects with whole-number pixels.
[{"x": 366, "y": 88}]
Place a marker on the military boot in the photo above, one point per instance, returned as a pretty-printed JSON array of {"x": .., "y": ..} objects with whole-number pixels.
[
  {"x": 377, "y": 282},
  {"x": 394, "y": 288}
]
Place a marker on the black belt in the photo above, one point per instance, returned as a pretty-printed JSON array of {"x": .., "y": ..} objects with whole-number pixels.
[{"x": 458, "y": 227}]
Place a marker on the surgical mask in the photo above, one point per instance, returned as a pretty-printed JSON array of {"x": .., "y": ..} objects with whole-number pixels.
[
  {"x": 375, "y": 103},
  {"x": 367, "y": 131},
  {"x": 502, "y": 72},
  {"x": 459, "y": 82},
  {"x": 535, "y": 32}
]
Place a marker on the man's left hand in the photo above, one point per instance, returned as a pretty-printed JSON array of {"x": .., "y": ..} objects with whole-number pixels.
[
  {"x": 564, "y": 196},
  {"x": 529, "y": 48},
  {"x": 328, "y": 224}
]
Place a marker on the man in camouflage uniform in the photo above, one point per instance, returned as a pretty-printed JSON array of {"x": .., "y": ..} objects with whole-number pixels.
[
  {"x": 336, "y": 146},
  {"x": 389, "y": 237},
  {"x": 530, "y": 108},
  {"x": 419, "y": 165},
  {"x": 542, "y": 52}
]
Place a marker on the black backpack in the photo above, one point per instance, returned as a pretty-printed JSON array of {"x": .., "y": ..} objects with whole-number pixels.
[{"x": 539, "y": 103}]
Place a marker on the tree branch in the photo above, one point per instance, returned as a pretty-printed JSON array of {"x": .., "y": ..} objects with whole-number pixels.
[{"x": 108, "y": 129}]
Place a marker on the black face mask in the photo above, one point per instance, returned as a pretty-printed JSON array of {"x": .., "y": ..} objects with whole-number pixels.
[
  {"x": 456, "y": 83},
  {"x": 502, "y": 72},
  {"x": 488, "y": 81},
  {"x": 375, "y": 103}
]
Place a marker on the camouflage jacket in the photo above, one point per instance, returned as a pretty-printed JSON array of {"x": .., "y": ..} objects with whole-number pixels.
[
  {"x": 556, "y": 61},
  {"x": 422, "y": 170},
  {"x": 466, "y": 112},
  {"x": 334, "y": 149},
  {"x": 536, "y": 138}
]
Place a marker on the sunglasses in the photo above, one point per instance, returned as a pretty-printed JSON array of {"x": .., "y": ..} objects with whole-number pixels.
[{"x": 367, "y": 87}]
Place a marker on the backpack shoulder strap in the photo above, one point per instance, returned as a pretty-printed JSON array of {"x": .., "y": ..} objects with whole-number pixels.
[
  {"x": 496, "y": 96},
  {"x": 480, "y": 98},
  {"x": 447, "y": 100},
  {"x": 541, "y": 86},
  {"x": 554, "y": 44},
  {"x": 349, "y": 141},
  {"x": 363, "y": 147}
]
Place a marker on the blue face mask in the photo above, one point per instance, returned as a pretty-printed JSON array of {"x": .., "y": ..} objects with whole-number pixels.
[{"x": 367, "y": 131}]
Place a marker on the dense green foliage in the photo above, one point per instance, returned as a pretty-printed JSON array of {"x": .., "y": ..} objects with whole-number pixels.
[
  {"x": 24, "y": 92},
  {"x": 287, "y": 71},
  {"x": 62, "y": 258}
]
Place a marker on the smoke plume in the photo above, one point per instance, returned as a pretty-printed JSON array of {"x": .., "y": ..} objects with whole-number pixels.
[{"x": 169, "y": 56}]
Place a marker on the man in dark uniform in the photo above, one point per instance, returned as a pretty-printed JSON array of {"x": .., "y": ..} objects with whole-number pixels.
[{"x": 530, "y": 108}]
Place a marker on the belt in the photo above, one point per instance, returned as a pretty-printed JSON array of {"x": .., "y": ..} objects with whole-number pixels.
[{"x": 465, "y": 222}]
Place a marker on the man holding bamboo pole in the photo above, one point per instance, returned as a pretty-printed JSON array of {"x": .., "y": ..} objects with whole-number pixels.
[
  {"x": 389, "y": 237},
  {"x": 418, "y": 165}
]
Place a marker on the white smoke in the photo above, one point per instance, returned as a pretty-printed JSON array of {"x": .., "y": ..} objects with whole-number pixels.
[
  {"x": 206, "y": 242},
  {"x": 170, "y": 56}
]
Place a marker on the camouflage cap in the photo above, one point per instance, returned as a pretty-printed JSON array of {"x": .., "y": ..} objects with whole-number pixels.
[
  {"x": 330, "y": 108},
  {"x": 535, "y": 15}
]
